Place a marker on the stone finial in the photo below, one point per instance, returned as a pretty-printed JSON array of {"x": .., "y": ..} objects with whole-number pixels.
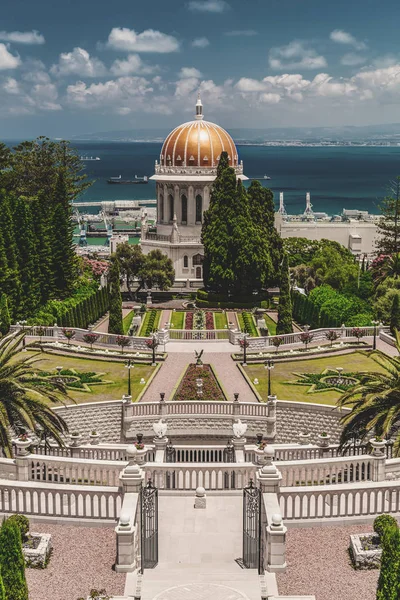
[{"x": 200, "y": 500}]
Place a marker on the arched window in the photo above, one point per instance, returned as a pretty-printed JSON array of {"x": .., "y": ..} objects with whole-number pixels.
[
  {"x": 197, "y": 259},
  {"x": 184, "y": 209},
  {"x": 185, "y": 262},
  {"x": 171, "y": 210},
  {"x": 161, "y": 205},
  {"x": 199, "y": 208}
]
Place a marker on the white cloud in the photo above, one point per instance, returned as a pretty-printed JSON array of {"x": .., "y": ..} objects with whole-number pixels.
[
  {"x": 295, "y": 55},
  {"x": 388, "y": 60},
  {"x": 8, "y": 60},
  {"x": 250, "y": 85},
  {"x": 270, "y": 98},
  {"x": 351, "y": 59},
  {"x": 201, "y": 42},
  {"x": 45, "y": 96},
  {"x": 184, "y": 87},
  {"x": 132, "y": 64},
  {"x": 11, "y": 86},
  {"x": 124, "y": 93},
  {"x": 78, "y": 62},
  {"x": 22, "y": 37},
  {"x": 241, "y": 33},
  {"x": 212, "y": 6},
  {"x": 122, "y": 38},
  {"x": 343, "y": 37},
  {"x": 187, "y": 72}
]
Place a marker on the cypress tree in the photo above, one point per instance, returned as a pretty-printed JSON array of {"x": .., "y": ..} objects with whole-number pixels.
[
  {"x": 388, "y": 239},
  {"x": 115, "y": 316},
  {"x": 64, "y": 256},
  {"x": 5, "y": 320},
  {"x": 284, "y": 324},
  {"x": 12, "y": 562},
  {"x": 12, "y": 284},
  {"x": 27, "y": 258},
  {"x": 43, "y": 235},
  {"x": 389, "y": 581},
  {"x": 395, "y": 315}
]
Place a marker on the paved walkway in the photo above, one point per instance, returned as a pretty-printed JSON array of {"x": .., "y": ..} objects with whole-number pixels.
[
  {"x": 197, "y": 553},
  {"x": 176, "y": 362},
  {"x": 165, "y": 318}
]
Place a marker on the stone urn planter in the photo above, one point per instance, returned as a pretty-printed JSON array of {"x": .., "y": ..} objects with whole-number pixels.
[
  {"x": 378, "y": 446},
  {"x": 75, "y": 439},
  {"x": 94, "y": 438},
  {"x": 261, "y": 457},
  {"x": 22, "y": 444},
  {"x": 141, "y": 453},
  {"x": 304, "y": 439},
  {"x": 323, "y": 440}
]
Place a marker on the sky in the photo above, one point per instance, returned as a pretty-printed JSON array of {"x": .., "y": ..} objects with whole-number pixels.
[{"x": 75, "y": 67}]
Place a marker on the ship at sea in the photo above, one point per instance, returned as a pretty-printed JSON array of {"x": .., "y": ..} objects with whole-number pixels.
[
  {"x": 121, "y": 181},
  {"x": 85, "y": 158}
]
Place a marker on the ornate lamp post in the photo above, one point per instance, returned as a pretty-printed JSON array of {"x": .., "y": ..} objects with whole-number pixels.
[
  {"x": 374, "y": 323},
  {"x": 244, "y": 343},
  {"x": 23, "y": 323},
  {"x": 269, "y": 364},
  {"x": 129, "y": 366}
]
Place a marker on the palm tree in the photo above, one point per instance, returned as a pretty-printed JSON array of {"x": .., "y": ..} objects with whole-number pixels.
[
  {"x": 25, "y": 398},
  {"x": 374, "y": 402}
]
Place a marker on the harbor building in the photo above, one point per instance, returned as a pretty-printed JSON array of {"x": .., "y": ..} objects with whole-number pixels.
[{"x": 184, "y": 176}]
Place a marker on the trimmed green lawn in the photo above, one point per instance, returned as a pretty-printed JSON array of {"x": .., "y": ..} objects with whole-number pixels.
[
  {"x": 285, "y": 371},
  {"x": 271, "y": 324},
  {"x": 114, "y": 372},
  {"x": 220, "y": 320},
  {"x": 178, "y": 319},
  {"x": 126, "y": 322}
]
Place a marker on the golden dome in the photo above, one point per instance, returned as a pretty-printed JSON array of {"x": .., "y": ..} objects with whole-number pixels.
[{"x": 197, "y": 143}]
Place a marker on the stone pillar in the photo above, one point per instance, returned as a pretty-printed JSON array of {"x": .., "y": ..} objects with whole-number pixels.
[
  {"x": 166, "y": 193},
  {"x": 126, "y": 532},
  {"x": 191, "y": 206},
  {"x": 378, "y": 457},
  {"x": 269, "y": 478},
  {"x": 206, "y": 198},
  {"x": 22, "y": 464},
  {"x": 276, "y": 545},
  {"x": 161, "y": 446},
  {"x": 177, "y": 204},
  {"x": 238, "y": 444},
  {"x": 200, "y": 500},
  {"x": 132, "y": 476},
  {"x": 271, "y": 419}
]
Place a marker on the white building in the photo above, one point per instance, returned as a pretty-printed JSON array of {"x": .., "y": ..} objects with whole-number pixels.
[{"x": 184, "y": 176}]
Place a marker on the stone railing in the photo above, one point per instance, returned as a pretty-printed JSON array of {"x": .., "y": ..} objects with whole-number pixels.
[
  {"x": 196, "y": 407},
  {"x": 199, "y": 334},
  {"x": 386, "y": 337},
  {"x": 185, "y": 453},
  {"x": 74, "y": 470},
  {"x": 327, "y": 472},
  {"x": 183, "y": 476},
  {"x": 99, "y": 452},
  {"x": 45, "y": 499},
  {"x": 344, "y": 500}
]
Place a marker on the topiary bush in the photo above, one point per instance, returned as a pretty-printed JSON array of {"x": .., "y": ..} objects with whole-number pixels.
[
  {"x": 382, "y": 522},
  {"x": 23, "y": 524},
  {"x": 12, "y": 562}
]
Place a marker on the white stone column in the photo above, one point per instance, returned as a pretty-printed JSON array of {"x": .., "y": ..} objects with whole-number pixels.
[
  {"x": 378, "y": 457},
  {"x": 276, "y": 545},
  {"x": 127, "y": 532},
  {"x": 161, "y": 446},
  {"x": 132, "y": 476},
  {"x": 206, "y": 198},
  {"x": 191, "y": 206},
  {"x": 177, "y": 204},
  {"x": 269, "y": 477},
  {"x": 165, "y": 220}
]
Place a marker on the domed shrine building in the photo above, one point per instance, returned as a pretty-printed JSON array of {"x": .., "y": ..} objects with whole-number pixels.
[{"x": 184, "y": 176}]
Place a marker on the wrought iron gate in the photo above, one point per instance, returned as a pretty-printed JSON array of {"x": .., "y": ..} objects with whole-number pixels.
[
  {"x": 149, "y": 523},
  {"x": 252, "y": 558}
]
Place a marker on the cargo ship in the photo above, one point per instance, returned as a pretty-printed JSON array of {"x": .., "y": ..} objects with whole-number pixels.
[{"x": 128, "y": 181}]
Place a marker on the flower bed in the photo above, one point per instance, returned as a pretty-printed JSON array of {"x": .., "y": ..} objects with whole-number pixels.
[
  {"x": 104, "y": 353},
  {"x": 188, "y": 390},
  {"x": 209, "y": 320},
  {"x": 289, "y": 354},
  {"x": 199, "y": 320},
  {"x": 189, "y": 320}
]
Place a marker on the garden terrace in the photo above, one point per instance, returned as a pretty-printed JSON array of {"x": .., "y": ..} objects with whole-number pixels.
[
  {"x": 188, "y": 388},
  {"x": 150, "y": 322}
]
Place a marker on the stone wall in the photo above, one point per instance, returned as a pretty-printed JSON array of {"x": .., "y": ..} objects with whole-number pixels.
[
  {"x": 104, "y": 417},
  {"x": 293, "y": 418}
]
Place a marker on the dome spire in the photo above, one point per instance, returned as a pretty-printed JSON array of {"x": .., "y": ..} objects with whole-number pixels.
[{"x": 199, "y": 108}]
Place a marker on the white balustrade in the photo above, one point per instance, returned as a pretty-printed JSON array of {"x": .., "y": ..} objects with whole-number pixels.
[
  {"x": 345, "y": 500},
  {"x": 84, "y": 502},
  {"x": 199, "y": 334},
  {"x": 196, "y": 407},
  {"x": 326, "y": 472},
  {"x": 74, "y": 470},
  {"x": 181, "y": 476}
]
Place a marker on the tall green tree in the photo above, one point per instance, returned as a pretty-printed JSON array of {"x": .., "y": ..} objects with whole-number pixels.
[
  {"x": 5, "y": 320},
  {"x": 389, "y": 578},
  {"x": 285, "y": 316},
  {"x": 395, "y": 315},
  {"x": 12, "y": 284},
  {"x": 157, "y": 271},
  {"x": 27, "y": 258},
  {"x": 12, "y": 562},
  {"x": 115, "y": 316},
  {"x": 388, "y": 239},
  {"x": 131, "y": 261},
  {"x": 44, "y": 237},
  {"x": 65, "y": 263}
]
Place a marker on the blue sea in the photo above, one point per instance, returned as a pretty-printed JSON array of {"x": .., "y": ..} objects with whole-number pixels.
[{"x": 336, "y": 177}]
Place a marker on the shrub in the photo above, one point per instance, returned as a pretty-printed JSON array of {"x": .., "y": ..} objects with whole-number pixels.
[
  {"x": 12, "y": 561},
  {"x": 382, "y": 522},
  {"x": 23, "y": 524},
  {"x": 389, "y": 583}
]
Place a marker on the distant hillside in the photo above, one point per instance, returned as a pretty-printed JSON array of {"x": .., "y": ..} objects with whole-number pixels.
[{"x": 358, "y": 134}]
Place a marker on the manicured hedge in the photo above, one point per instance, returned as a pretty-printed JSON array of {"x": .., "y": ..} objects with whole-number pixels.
[{"x": 150, "y": 322}]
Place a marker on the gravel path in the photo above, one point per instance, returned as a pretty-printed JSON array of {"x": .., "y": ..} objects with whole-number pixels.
[
  {"x": 82, "y": 559},
  {"x": 173, "y": 367},
  {"x": 319, "y": 563}
]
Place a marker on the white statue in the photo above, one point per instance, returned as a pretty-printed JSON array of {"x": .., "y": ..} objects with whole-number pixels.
[
  {"x": 160, "y": 428},
  {"x": 239, "y": 429}
]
